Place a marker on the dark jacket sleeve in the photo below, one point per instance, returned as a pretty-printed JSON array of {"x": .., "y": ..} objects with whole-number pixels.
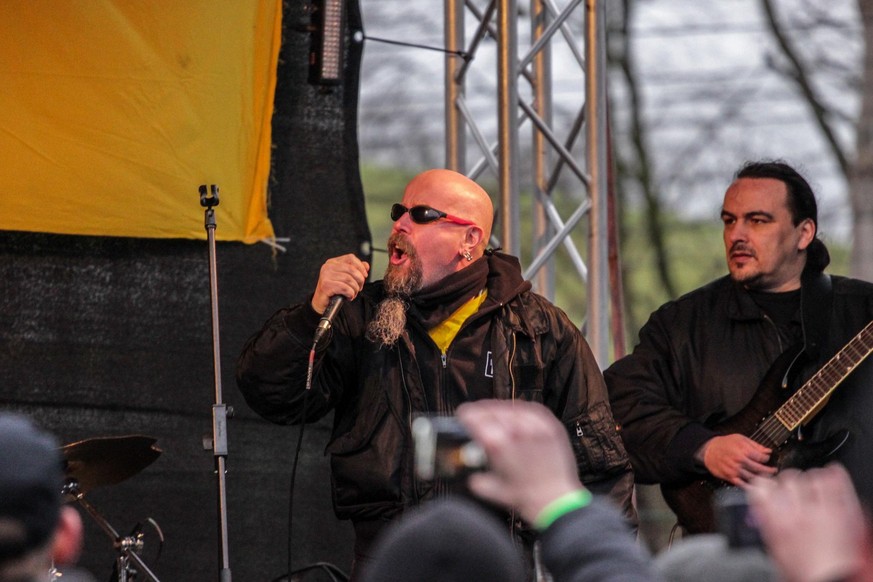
[
  {"x": 594, "y": 544},
  {"x": 576, "y": 392},
  {"x": 646, "y": 393},
  {"x": 272, "y": 368}
]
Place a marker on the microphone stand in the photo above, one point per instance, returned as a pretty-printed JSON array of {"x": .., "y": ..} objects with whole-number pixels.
[{"x": 220, "y": 411}]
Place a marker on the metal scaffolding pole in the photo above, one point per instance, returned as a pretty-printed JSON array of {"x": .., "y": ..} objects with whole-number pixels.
[
  {"x": 454, "y": 39},
  {"x": 480, "y": 140},
  {"x": 595, "y": 107},
  {"x": 507, "y": 124},
  {"x": 542, "y": 105}
]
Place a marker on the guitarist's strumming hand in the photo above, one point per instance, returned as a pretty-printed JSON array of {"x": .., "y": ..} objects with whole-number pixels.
[{"x": 735, "y": 458}]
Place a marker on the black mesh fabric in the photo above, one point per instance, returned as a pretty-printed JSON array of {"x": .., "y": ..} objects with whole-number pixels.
[{"x": 112, "y": 336}]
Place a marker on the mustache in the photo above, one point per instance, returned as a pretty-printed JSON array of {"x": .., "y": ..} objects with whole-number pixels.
[{"x": 741, "y": 247}]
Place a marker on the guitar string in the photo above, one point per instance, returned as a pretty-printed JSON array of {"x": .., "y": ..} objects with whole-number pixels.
[
  {"x": 815, "y": 389},
  {"x": 824, "y": 382}
]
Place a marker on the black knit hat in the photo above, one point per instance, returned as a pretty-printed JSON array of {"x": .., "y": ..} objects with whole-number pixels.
[
  {"x": 450, "y": 540},
  {"x": 31, "y": 477}
]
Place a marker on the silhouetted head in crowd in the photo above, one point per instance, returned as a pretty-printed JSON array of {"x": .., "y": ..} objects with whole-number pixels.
[
  {"x": 450, "y": 540},
  {"x": 36, "y": 530}
]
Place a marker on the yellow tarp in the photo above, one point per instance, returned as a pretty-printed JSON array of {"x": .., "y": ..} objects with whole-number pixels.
[{"x": 113, "y": 112}]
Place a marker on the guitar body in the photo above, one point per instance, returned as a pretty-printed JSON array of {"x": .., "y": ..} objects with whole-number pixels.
[
  {"x": 693, "y": 504},
  {"x": 693, "y": 501}
]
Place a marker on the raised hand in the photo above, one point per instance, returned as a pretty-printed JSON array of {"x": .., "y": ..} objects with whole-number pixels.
[{"x": 344, "y": 275}]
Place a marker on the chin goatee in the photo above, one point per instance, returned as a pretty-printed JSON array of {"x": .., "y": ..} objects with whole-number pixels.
[{"x": 390, "y": 320}]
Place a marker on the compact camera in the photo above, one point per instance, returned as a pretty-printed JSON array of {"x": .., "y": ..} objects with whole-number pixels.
[
  {"x": 734, "y": 518},
  {"x": 444, "y": 449}
]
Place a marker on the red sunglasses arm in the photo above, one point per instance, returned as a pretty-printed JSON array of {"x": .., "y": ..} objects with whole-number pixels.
[{"x": 460, "y": 221}]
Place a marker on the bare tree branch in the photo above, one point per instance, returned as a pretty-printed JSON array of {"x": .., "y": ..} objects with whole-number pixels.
[
  {"x": 643, "y": 173},
  {"x": 861, "y": 178},
  {"x": 800, "y": 76}
]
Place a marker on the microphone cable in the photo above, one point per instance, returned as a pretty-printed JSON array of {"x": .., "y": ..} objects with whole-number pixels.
[
  {"x": 296, "y": 460},
  {"x": 335, "y": 574},
  {"x": 467, "y": 57}
]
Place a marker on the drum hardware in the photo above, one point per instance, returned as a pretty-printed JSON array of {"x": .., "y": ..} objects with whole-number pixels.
[{"x": 106, "y": 461}]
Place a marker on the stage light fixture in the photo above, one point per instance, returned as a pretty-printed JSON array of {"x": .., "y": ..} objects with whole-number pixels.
[{"x": 326, "y": 60}]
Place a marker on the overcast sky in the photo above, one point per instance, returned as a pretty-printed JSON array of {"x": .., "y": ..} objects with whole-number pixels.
[{"x": 712, "y": 98}]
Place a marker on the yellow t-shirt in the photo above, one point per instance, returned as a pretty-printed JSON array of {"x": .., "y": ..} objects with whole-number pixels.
[{"x": 443, "y": 333}]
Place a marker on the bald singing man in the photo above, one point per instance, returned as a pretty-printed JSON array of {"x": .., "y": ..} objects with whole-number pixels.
[{"x": 450, "y": 322}]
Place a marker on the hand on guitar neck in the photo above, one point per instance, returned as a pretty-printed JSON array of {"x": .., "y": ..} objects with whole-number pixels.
[{"x": 735, "y": 459}]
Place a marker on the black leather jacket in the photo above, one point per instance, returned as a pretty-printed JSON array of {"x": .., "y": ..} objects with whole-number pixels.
[
  {"x": 701, "y": 358},
  {"x": 518, "y": 343}
]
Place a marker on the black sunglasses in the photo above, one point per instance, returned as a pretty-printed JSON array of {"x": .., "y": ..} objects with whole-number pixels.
[{"x": 425, "y": 215}]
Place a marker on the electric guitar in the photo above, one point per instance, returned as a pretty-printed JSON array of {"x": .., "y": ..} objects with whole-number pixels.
[{"x": 692, "y": 502}]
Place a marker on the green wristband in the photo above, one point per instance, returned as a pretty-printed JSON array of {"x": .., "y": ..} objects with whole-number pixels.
[{"x": 562, "y": 505}]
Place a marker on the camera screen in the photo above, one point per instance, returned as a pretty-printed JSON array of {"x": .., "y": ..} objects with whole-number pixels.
[{"x": 443, "y": 449}]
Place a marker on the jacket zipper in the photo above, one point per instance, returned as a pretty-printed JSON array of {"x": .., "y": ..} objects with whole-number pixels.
[
  {"x": 511, "y": 362},
  {"x": 441, "y": 489}
]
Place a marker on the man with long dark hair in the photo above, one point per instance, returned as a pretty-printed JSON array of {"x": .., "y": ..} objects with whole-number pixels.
[{"x": 693, "y": 379}]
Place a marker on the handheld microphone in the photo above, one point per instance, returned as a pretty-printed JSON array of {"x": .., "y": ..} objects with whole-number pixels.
[{"x": 327, "y": 317}]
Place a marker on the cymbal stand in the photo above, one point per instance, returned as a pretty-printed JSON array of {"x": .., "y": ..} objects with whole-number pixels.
[
  {"x": 220, "y": 411},
  {"x": 126, "y": 546}
]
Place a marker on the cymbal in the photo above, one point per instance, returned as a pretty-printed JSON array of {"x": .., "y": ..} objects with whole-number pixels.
[{"x": 108, "y": 460}]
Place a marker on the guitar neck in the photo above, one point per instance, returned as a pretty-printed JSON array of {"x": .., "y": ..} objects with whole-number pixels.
[{"x": 810, "y": 397}]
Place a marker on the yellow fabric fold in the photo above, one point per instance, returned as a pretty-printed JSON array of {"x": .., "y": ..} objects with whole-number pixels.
[{"x": 113, "y": 112}]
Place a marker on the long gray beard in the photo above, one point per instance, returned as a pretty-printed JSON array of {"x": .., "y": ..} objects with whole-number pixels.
[
  {"x": 388, "y": 324},
  {"x": 390, "y": 320}
]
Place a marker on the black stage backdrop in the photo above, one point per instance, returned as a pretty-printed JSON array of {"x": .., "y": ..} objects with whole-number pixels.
[{"x": 112, "y": 336}]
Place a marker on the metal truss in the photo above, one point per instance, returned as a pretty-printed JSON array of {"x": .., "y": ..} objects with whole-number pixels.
[{"x": 549, "y": 160}]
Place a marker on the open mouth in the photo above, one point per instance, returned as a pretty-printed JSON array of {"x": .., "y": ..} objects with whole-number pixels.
[{"x": 397, "y": 254}]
